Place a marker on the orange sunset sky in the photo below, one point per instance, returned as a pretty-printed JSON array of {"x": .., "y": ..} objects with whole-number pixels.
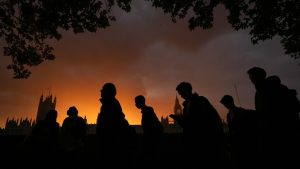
[{"x": 143, "y": 52}]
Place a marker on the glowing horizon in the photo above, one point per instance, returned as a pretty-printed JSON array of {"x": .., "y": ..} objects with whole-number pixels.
[
  {"x": 91, "y": 110},
  {"x": 144, "y": 52}
]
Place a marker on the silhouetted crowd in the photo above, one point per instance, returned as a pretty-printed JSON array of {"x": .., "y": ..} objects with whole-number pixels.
[{"x": 267, "y": 137}]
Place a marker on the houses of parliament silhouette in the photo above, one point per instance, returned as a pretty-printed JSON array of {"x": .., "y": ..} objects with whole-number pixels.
[
  {"x": 23, "y": 126},
  {"x": 45, "y": 106},
  {"x": 172, "y": 126}
]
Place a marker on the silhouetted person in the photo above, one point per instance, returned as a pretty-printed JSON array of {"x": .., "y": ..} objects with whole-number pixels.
[
  {"x": 202, "y": 130},
  {"x": 152, "y": 130},
  {"x": 46, "y": 132},
  {"x": 114, "y": 132},
  {"x": 289, "y": 108},
  {"x": 73, "y": 133},
  {"x": 279, "y": 111},
  {"x": 242, "y": 125},
  {"x": 45, "y": 139}
]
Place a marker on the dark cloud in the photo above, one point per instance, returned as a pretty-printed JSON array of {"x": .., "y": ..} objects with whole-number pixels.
[{"x": 218, "y": 67}]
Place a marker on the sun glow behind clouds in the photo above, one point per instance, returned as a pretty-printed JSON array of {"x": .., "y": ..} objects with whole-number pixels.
[
  {"x": 145, "y": 53},
  {"x": 91, "y": 110},
  {"x": 87, "y": 102}
]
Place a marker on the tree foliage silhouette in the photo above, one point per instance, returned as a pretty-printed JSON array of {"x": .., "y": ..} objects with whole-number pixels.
[{"x": 26, "y": 25}]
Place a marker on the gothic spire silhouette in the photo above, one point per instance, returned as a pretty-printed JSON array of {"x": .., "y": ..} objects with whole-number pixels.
[{"x": 44, "y": 106}]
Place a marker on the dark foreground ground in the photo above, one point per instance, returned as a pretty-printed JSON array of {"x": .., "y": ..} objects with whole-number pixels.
[{"x": 15, "y": 155}]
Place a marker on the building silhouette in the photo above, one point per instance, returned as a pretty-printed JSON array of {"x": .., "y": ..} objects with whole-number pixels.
[
  {"x": 44, "y": 106},
  {"x": 177, "y": 109},
  {"x": 18, "y": 126},
  {"x": 171, "y": 126},
  {"x": 24, "y": 126}
]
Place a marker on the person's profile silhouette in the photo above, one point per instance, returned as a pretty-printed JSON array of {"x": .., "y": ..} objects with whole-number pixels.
[
  {"x": 152, "y": 131},
  {"x": 278, "y": 109},
  {"x": 113, "y": 130},
  {"x": 202, "y": 130}
]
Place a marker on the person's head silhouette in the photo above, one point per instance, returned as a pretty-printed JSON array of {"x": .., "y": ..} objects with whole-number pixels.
[
  {"x": 184, "y": 89},
  {"x": 274, "y": 80},
  {"x": 108, "y": 90},
  {"x": 257, "y": 75},
  {"x": 227, "y": 101},
  {"x": 51, "y": 116},
  {"x": 140, "y": 101},
  {"x": 72, "y": 111}
]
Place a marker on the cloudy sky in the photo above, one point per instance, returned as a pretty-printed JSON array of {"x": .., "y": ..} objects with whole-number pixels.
[{"x": 143, "y": 52}]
